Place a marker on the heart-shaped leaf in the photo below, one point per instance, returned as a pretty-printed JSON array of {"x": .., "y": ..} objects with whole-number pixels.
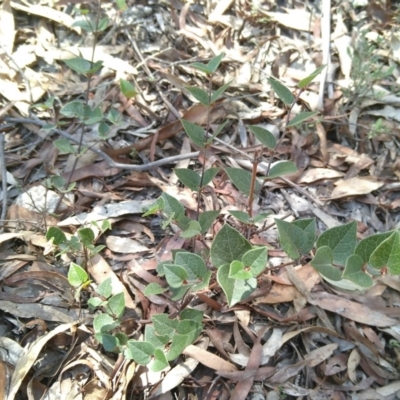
[
  {"x": 235, "y": 290},
  {"x": 354, "y": 272},
  {"x": 322, "y": 262}
]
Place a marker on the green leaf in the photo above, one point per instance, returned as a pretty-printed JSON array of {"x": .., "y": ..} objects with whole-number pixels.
[
  {"x": 256, "y": 259},
  {"x": 387, "y": 254},
  {"x": 103, "y": 24},
  {"x": 209, "y": 175},
  {"x": 228, "y": 245},
  {"x": 242, "y": 180},
  {"x": 234, "y": 289},
  {"x": 163, "y": 325},
  {"x": 104, "y": 323},
  {"x": 154, "y": 288},
  {"x": 304, "y": 82},
  {"x": 116, "y": 305},
  {"x": 105, "y": 288},
  {"x": 215, "y": 62},
  {"x": 261, "y": 217},
  {"x": 160, "y": 361},
  {"x": 296, "y": 237},
  {"x": 103, "y": 130},
  {"x": 201, "y": 67},
  {"x": 175, "y": 275},
  {"x": 94, "y": 303},
  {"x": 186, "y": 333},
  {"x": 192, "y": 314},
  {"x": 109, "y": 342},
  {"x": 241, "y": 216},
  {"x": 282, "y": 168},
  {"x": 282, "y": 91},
  {"x": 93, "y": 116},
  {"x": 199, "y": 94},
  {"x": 367, "y": 246},
  {"x": 193, "y": 229},
  {"x": 86, "y": 235},
  {"x": 189, "y": 178},
  {"x": 121, "y": 4},
  {"x": 141, "y": 352},
  {"x": 299, "y": 118},
  {"x": 342, "y": 240},
  {"x": 203, "y": 282},
  {"x": 291, "y": 237},
  {"x": 179, "y": 293},
  {"x": 95, "y": 67},
  {"x": 264, "y": 136},
  {"x": 218, "y": 93},
  {"x": 56, "y": 234},
  {"x": 354, "y": 272},
  {"x": 237, "y": 271},
  {"x": 57, "y": 181},
  {"x": 114, "y": 116},
  {"x": 64, "y": 145},
  {"x": 206, "y": 219},
  {"x": 97, "y": 249},
  {"x": 77, "y": 276},
  {"x": 82, "y": 66},
  {"x": 74, "y": 109},
  {"x": 310, "y": 229},
  {"x": 211, "y": 66},
  {"x": 195, "y": 132},
  {"x": 172, "y": 207},
  {"x": 127, "y": 89},
  {"x": 193, "y": 264},
  {"x": 322, "y": 262},
  {"x": 217, "y": 132},
  {"x": 157, "y": 341},
  {"x": 122, "y": 338}
]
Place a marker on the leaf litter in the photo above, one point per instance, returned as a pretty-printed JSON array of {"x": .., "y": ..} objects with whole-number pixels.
[{"x": 297, "y": 335}]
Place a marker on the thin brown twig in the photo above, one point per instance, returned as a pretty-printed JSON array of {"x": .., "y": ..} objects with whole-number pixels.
[
  {"x": 103, "y": 155},
  {"x": 3, "y": 183}
]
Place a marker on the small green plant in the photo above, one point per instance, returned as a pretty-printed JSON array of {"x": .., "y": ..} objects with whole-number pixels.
[
  {"x": 237, "y": 261},
  {"x": 367, "y": 71},
  {"x": 82, "y": 244}
]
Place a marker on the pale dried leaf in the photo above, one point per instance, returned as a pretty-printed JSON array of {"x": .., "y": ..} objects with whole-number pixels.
[
  {"x": 280, "y": 293},
  {"x": 355, "y": 187},
  {"x": 111, "y": 210},
  {"x": 30, "y": 355},
  {"x": 7, "y": 26},
  {"x": 124, "y": 245},
  {"x": 316, "y": 174},
  {"x": 352, "y": 310},
  {"x": 209, "y": 359},
  {"x": 48, "y": 13}
]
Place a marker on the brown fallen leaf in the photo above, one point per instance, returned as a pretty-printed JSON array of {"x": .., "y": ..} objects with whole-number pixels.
[
  {"x": 352, "y": 310},
  {"x": 354, "y": 187},
  {"x": 208, "y": 359},
  {"x": 281, "y": 293}
]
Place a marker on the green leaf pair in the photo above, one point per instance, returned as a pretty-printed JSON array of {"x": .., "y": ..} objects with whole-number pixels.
[
  {"x": 238, "y": 263},
  {"x": 187, "y": 272},
  {"x": 165, "y": 332}
]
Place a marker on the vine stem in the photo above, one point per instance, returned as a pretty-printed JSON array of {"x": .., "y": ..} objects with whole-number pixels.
[{"x": 80, "y": 143}]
